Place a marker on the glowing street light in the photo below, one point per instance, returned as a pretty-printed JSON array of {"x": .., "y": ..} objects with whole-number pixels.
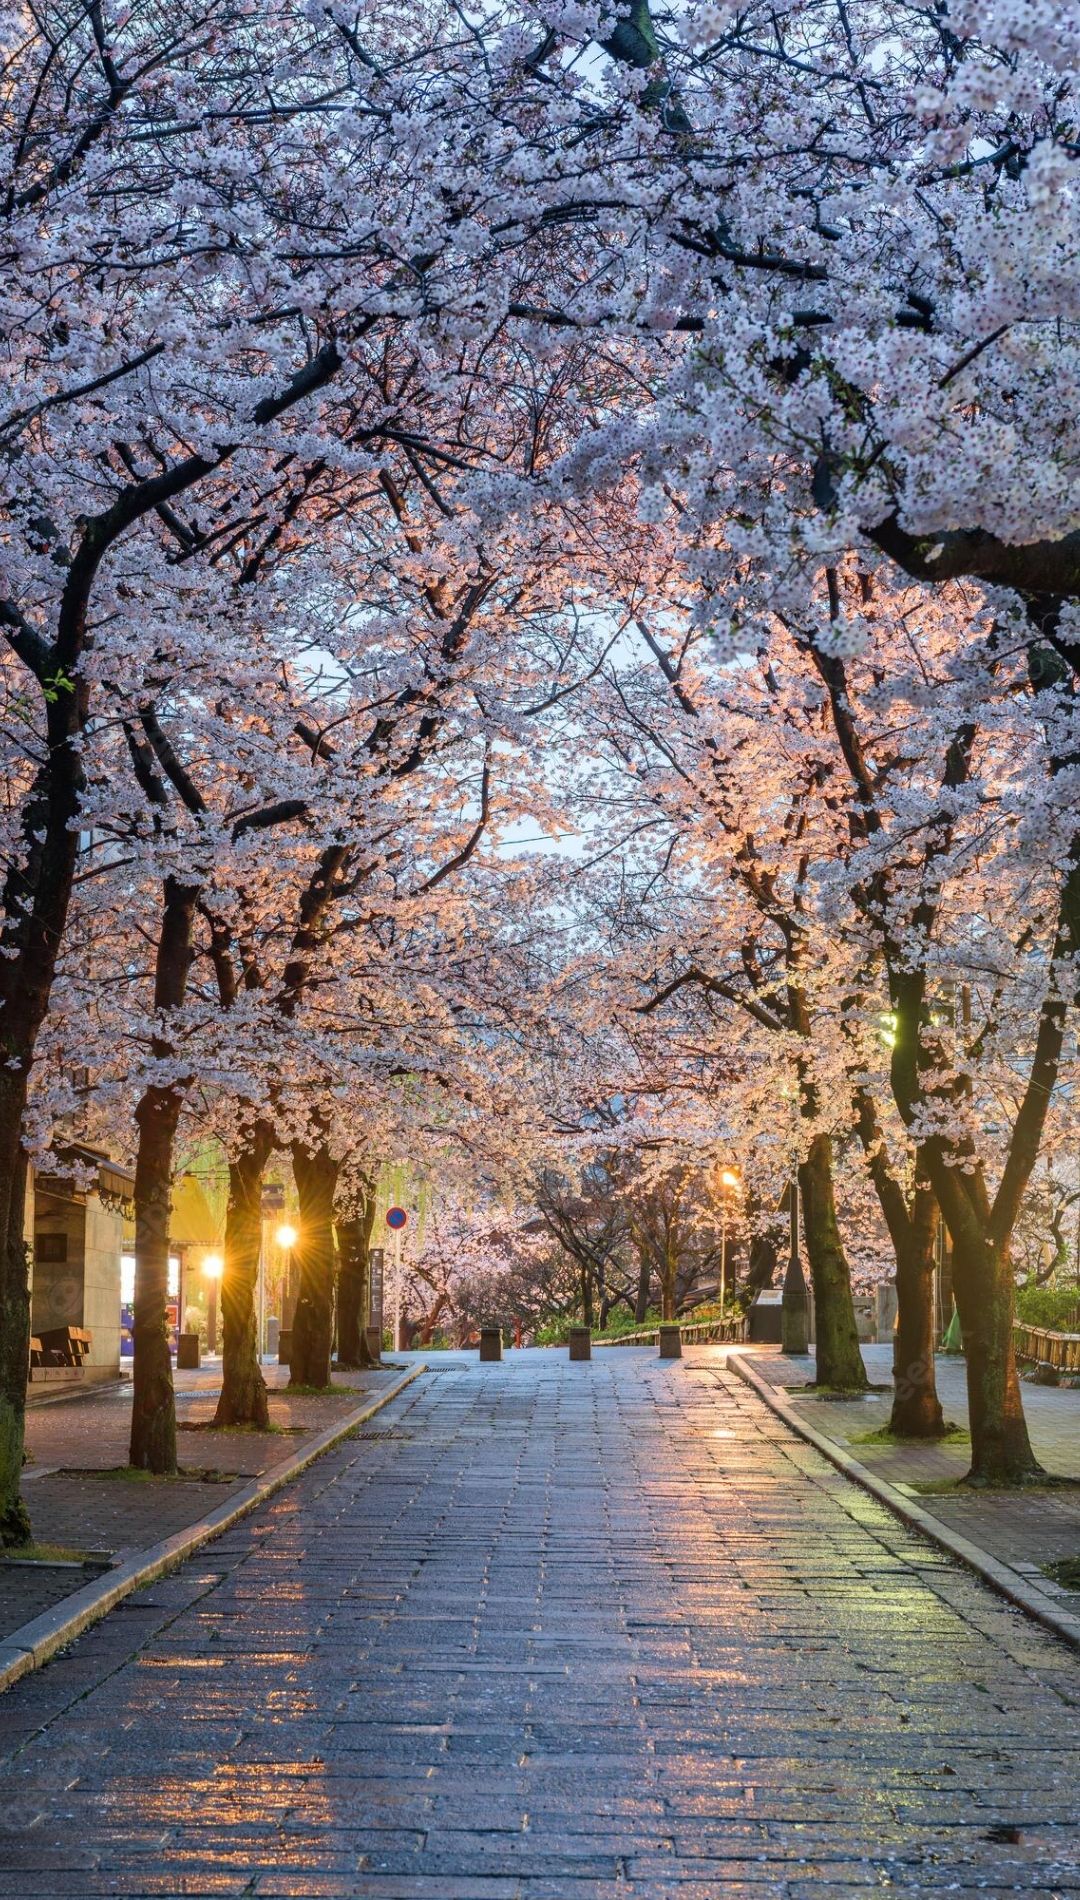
[
  {"x": 728, "y": 1180},
  {"x": 213, "y": 1267},
  {"x": 287, "y": 1237}
]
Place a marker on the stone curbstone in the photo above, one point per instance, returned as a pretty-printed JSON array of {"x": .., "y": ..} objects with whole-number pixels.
[
  {"x": 27, "y": 1648},
  {"x": 1000, "y": 1576}
]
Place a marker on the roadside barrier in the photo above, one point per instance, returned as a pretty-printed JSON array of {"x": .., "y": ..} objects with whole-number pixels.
[
  {"x": 1038, "y": 1346},
  {"x": 730, "y": 1332}
]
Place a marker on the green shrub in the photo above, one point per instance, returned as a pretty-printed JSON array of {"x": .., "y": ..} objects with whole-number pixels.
[
  {"x": 621, "y": 1320},
  {"x": 552, "y": 1333},
  {"x": 1056, "y": 1307}
]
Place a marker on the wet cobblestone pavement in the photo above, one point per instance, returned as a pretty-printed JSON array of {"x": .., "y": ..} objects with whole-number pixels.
[
  {"x": 78, "y": 1500},
  {"x": 1028, "y": 1528},
  {"x": 553, "y": 1632}
]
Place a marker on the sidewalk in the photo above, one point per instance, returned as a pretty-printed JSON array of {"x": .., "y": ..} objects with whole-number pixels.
[
  {"x": 1027, "y": 1530},
  {"x": 83, "y": 1499}
]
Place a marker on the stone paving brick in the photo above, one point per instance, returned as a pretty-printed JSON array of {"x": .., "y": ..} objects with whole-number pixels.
[
  {"x": 1034, "y": 1527},
  {"x": 72, "y": 1442},
  {"x": 608, "y": 1632}
]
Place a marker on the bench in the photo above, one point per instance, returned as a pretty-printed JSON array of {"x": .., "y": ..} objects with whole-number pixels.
[{"x": 61, "y": 1349}]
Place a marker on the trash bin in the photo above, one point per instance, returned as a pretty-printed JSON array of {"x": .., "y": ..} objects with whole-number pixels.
[
  {"x": 580, "y": 1342},
  {"x": 491, "y": 1344},
  {"x": 187, "y": 1352},
  {"x": 671, "y": 1342}
]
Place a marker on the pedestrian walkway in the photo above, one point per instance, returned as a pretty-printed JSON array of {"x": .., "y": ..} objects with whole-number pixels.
[
  {"x": 82, "y": 1498},
  {"x": 1029, "y": 1529},
  {"x": 607, "y": 1631}
]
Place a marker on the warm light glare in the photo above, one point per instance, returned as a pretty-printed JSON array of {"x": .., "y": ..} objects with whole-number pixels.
[
  {"x": 728, "y": 1179},
  {"x": 286, "y": 1236},
  {"x": 213, "y": 1266}
]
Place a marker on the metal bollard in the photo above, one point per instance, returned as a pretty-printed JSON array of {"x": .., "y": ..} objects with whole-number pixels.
[
  {"x": 580, "y": 1342},
  {"x": 491, "y": 1344},
  {"x": 670, "y": 1342}
]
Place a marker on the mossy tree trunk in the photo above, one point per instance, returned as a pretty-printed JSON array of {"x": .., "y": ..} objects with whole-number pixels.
[
  {"x": 985, "y": 1291},
  {"x": 912, "y": 1219},
  {"x": 839, "y": 1363},
  {"x": 916, "y": 1408}
]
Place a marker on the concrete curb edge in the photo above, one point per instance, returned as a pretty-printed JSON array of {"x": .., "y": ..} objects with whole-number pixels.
[
  {"x": 1000, "y": 1576},
  {"x": 35, "y": 1642}
]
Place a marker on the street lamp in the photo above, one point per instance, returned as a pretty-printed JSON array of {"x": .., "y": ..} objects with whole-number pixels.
[
  {"x": 795, "y": 1307},
  {"x": 286, "y": 1237},
  {"x": 728, "y": 1180},
  {"x": 213, "y": 1267}
]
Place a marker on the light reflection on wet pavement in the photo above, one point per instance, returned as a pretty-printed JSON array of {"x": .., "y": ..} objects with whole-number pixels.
[{"x": 590, "y": 1632}]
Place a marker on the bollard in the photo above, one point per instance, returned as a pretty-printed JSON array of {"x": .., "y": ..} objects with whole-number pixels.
[
  {"x": 491, "y": 1344},
  {"x": 580, "y": 1342},
  {"x": 187, "y": 1352},
  {"x": 670, "y": 1342}
]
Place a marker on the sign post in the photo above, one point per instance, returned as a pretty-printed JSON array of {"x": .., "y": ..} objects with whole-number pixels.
[
  {"x": 397, "y": 1220},
  {"x": 376, "y": 1260}
]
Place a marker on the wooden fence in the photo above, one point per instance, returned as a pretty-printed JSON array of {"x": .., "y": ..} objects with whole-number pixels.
[
  {"x": 1037, "y": 1346},
  {"x": 731, "y": 1332}
]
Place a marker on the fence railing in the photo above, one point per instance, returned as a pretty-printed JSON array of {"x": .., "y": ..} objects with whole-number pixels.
[
  {"x": 731, "y": 1332},
  {"x": 1038, "y": 1346}
]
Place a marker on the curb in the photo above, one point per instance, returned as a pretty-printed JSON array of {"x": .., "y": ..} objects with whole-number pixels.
[
  {"x": 1000, "y": 1576},
  {"x": 27, "y": 1648}
]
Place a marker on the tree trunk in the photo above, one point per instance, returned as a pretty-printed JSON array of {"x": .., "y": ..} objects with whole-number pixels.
[
  {"x": 761, "y": 1269},
  {"x": 14, "y": 1310},
  {"x": 913, "y": 1222},
  {"x": 985, "y": 1291},
  {"x": 669, "y": 1284},
  {"x": 916, "y": 1408},
  {"x": 586, "y": 1296},
  {"x": 354, "y": 1243},
  {"x": 153, "y": 1412},
  {"x": 839, "y": 1361},
  {"x": 243, "y": 1388},
  {"x": 316, "y": 1174},
  {"x": 644, "y": 1283},
  {"x": 36, "y": 897}
]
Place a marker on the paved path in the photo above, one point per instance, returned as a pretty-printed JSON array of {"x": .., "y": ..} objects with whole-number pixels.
[
  {"x": 81, "y": 1497},
  {"x": 1028, "y": 1529},
  {"x": 553, "y": 1632}
]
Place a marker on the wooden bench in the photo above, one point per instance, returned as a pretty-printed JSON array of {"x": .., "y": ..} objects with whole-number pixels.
[{"x": 59, "y": 1353}]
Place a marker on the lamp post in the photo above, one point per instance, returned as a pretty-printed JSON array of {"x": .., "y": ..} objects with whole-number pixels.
[
  {"x": 213, "y": 1267},
  {"x": 794, "y": 1311},
  {"x": 728, "y": 1180},
  {"x": 286, "y": 1238}
]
